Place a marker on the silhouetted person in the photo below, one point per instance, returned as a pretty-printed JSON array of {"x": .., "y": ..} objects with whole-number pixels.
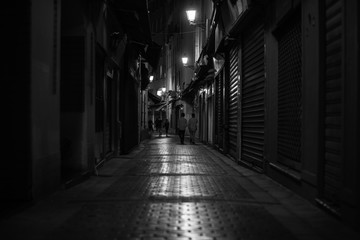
[
  {"x": 166, "y": 126},
  {"x": 192, "y": 128},
  {"x": 182, "y": 124},
  {"x": 158, "y": 125},
  {"x": 150, "y": 126}
]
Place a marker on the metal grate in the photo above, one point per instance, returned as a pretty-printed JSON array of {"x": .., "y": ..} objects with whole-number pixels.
[{"x": 289, "y": 92}]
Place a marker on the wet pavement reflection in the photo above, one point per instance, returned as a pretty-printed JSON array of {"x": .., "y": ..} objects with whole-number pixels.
[
  {"x": 173, "y": 191},
  {"x": 167, "y": 190}
]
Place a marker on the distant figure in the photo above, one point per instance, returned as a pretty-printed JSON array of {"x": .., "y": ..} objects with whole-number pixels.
[
  {"x": 182, "y": 124},
  {"x": 192, "y": 128},
  {"x": 150, "y": 126},
  {"x": 158, "y": 125},
  {"x": 166, "y": 126}
]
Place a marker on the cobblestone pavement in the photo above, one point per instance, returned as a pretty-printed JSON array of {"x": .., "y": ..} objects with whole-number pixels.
[{"x": 165, "y": 190}]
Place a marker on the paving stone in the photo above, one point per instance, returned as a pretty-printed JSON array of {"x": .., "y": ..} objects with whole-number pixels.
[{"x": 172, "y": 191}]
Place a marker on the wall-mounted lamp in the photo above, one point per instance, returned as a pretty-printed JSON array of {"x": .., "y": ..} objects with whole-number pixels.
[
  {"x": 185, "y": 61},
  {"x": 191, "y": 16},
  {"x": 151, "y": 78},
  {"x": 161, "y": 91}
]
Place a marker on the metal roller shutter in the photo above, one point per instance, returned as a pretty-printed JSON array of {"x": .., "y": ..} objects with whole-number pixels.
[
  {"x": 253, "y": 94},
  {"x": 289, "y": 92},
  {"x": 233, "y": 102},
  {"x": 333, "y": 126},
  {"x": 108, "y": 131},
  {"x": 219, "y": 110}
]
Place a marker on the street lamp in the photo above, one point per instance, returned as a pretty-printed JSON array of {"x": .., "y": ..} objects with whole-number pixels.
[
  {"x": 191, "y": 16},
  {"x": 151, "y": 78}
]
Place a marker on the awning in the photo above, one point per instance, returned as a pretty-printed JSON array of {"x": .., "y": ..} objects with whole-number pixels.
[
  {"x": 174, "y": 100},
  {"x": 158, "y": 106},
  {"x": 161, "y": 107},
  {"x": 154, "y": 98},
  {"x": 204, "y": 75}
]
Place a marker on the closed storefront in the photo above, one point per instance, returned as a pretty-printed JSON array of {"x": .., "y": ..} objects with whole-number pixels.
[
  {"x": 290, "y": 92},
  {"x": 219, "y": 108},
  {"x": 333, "y": 103},
  {"x": 203, "y": 118},
  {"x": 252, "y": 97},
  {"x": 232, "y": 101},
  {"x": 108, "y": 128},
  {"x": 210, "y": 109}
]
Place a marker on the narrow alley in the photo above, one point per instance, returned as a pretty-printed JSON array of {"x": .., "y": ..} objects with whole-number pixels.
[{"x": 165, "y": 190}]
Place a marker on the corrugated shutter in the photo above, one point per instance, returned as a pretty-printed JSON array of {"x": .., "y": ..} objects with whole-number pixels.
[
  {"x": 233, "y": 102},
  {"x": 219, "y": 109},
  {"x": 253, "y": 94},
  {"x": 108, "y": 132},
  {"x": 333, "y": 100},
  {"x": 289, "y": 92}
]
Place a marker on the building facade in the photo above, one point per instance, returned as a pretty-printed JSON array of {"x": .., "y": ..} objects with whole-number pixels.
[
  {"x": 80, "y": 79},
  {"x": 284, "y": 97}
]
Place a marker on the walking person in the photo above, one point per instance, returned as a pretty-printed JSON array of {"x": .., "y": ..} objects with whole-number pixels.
[
  {"x": 182, "y": 124},
  {"x": 158, "y": 125},
  {"x": 166, "y": 126},
  {"x": 192, "y": 128},
  {"x": 150, "y": 126}
]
